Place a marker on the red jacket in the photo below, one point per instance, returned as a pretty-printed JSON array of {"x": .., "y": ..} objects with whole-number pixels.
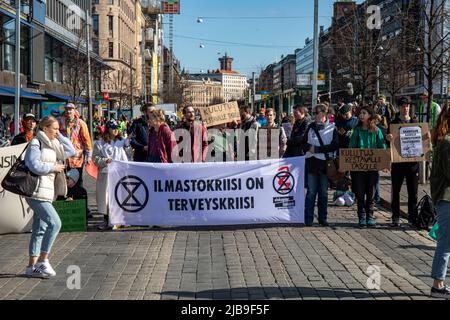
[{"x": 165, "y": 143}]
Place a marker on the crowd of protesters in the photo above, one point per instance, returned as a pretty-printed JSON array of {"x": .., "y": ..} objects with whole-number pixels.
[{"x": 318, "y": 137}]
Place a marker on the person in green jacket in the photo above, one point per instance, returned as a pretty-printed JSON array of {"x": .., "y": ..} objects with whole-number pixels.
[
  {"x": 440, "y": 193},
  {"x": 366, "y": 135}
]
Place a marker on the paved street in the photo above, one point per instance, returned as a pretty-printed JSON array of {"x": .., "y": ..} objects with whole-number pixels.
[{"x": 241, "y": 262}]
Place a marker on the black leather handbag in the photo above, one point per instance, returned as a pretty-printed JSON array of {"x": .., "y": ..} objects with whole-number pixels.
[{"x": 20, "y": 180}]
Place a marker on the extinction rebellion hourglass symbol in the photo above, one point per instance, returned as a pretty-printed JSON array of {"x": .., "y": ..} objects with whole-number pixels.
[{"x": 283, "y": 182}]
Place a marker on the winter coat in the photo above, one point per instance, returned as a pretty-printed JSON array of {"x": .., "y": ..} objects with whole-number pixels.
[
  {"x": 295, "y": 141},
  {"x": 41, "y": 157}
]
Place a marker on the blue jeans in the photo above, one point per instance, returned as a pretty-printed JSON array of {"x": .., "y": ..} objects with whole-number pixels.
[
  {"x": 46, "y": 226},
  {"x": 317, "y": 185},
  {"x": 442, "y": 253},
  {"x": 376, "y": 197}
]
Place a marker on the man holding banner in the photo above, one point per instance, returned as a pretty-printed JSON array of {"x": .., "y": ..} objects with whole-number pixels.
[{"x": 404, "y": 170}]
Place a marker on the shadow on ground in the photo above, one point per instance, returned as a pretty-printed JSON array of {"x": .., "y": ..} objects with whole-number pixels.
[{"x": 285, "y": 293}]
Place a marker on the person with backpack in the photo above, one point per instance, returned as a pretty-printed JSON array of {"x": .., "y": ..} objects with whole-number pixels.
[
  {"x": 320, "y": 144},
  {"x": 440, "y": 193},
  {"x": 402, "y": 171},
  {"x": 366, "y": 135}
]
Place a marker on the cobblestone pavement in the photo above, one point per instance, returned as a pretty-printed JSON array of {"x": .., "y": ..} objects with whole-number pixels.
[
  {"x": 385, "y": 193},
  {"x": 233, "y": 262}
]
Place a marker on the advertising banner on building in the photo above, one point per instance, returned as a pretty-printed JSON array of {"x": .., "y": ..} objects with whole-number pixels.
[
  {"x": 55, "y": 109},
  {"x": 15, "y": 215},
  {"x": 191, "y": 194}
]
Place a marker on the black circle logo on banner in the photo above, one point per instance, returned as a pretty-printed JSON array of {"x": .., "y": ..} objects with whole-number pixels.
[
  {"x": 132, "y": 185},
  {"x": 283, "y": 182}
]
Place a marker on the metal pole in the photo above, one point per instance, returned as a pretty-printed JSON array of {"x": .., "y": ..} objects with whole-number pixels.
[
  {"x": 378, "y": 80},
  {"x": 144, "y": 80},
  {"x": 329, "y": 85},
  {"x": 17, "y": 95},
  {"x": 131, "y": 80},
  {"x": 88, "y": 55},
  {"x": 316, "y": 52},
  {"x": 253, "y": 91}
]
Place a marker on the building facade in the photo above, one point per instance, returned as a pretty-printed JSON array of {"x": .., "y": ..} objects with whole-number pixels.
[
  {"x": 202, "y": 91},
  {"x": 52, "y": 47},
  {"x": 234, "y": 84},
  {"x": 118, "y": 32}
]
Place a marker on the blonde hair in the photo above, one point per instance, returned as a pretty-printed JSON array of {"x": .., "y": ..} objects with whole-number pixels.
[
  {"x": 46, "y": 122},
  {"x": 159, "y": 115}
]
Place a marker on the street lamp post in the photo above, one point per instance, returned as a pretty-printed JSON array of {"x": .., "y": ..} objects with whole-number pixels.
[
  {"x": 17, "y": 93},
  {"x": 89, "y": 75},
  {"x": 316, "y": 52}
]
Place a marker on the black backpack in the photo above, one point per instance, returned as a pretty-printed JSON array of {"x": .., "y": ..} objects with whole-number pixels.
[{"x": 426, "y": 213}]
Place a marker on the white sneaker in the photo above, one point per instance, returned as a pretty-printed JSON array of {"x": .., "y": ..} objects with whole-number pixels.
[
  {"x": 348, "y": 200},
  {"x": 46, "y": 268},
  {"x": 339, "y": 202},
  {"x": 32, "y": 272}
]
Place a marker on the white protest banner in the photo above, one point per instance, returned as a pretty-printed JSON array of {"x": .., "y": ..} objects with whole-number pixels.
[
  {"x": 220, "y": 113},
  {"x": 15, "y": 215},
  {"x": 194, "y": 194}
]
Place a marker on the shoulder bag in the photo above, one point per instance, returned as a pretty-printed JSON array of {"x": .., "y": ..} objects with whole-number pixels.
[{"x": 19, "y": 179}]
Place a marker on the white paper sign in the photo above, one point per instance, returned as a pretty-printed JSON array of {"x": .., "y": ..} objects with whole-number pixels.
[
  {"x": 189, "y": 194},
  {"x": 15, "y": 215},
  {"x": 411, "y": 143}
]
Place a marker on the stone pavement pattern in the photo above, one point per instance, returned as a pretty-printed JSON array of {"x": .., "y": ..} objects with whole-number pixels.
[{"x": 233, "y": 262}]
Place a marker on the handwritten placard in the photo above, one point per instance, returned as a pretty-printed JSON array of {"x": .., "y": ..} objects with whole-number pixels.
[
  {"x": 410, "y": 142},
  {"x": 364, "y": 159},
  {"x": 220, "y": 113}
]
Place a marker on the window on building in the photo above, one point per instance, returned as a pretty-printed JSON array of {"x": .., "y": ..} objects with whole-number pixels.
[
  {"x": 111, "y": 50},
  {"x": 95, "y": 24},
  {"x": 48, "y": 66},
  {"x": 111, "y": 24},
  {"x": 57, "y": 71},
  {"x": 95, "y": 46},
  {"x": 8, "y": 44}
]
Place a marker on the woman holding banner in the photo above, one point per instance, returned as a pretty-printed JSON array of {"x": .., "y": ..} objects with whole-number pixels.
[
  {"x": 320, "y": 142},
  {"x": 366, "y": 135},
  {"x": 440, "y": 193},
  {"x": 110, "y": 147},
  {"x": 45, "y": 157}
]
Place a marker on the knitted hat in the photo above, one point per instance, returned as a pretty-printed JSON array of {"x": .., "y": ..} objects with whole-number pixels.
[
  {"x": 73, "y": 174},
  {"x": 70, "y": 106},
  {"x": 346, "y": 108}
]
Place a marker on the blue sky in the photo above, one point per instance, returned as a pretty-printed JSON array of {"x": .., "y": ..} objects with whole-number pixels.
[{"x": 284, "y": 35}]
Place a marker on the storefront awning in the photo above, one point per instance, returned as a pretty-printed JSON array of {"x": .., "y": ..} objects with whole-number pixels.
[
  {"x": 11, "y": 92},
  {"x": 66, "y": 98}
]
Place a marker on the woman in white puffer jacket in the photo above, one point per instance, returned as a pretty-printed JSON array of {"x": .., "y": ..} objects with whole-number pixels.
[{"x": 46, "y": 156}]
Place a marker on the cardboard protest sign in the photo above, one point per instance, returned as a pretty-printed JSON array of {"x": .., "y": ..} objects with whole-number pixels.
[
  {"x": 220, "y": 113},
  {"x": 410, "y": 142},
  {"x": 364, "y": 159}
]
